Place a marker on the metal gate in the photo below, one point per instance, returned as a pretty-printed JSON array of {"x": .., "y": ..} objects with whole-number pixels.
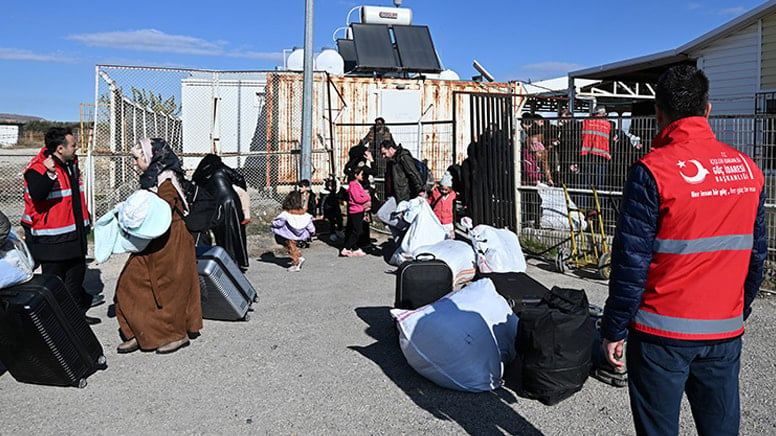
[{"x": 488, "y": 170}]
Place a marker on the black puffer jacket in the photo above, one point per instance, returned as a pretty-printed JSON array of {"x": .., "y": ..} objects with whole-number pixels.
[
  {"x": 402, "y": 179},
  {"x": 634, "y": 238}
]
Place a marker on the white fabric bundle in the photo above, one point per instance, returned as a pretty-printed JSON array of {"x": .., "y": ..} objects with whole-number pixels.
[
  {"x": 461, "y": 341},
  {"x": 458, "y": 255},
  {"x": 498, "y": 250},
  {"x": 555, "y": 212},
  {"x": 424, "y": 229}
]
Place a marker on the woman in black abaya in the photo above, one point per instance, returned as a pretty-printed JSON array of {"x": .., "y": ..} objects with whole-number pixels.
[{"x": 217, "y": 178}]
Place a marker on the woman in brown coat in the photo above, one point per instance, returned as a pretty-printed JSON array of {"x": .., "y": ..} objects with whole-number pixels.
[{"x": 157, "y": 295}]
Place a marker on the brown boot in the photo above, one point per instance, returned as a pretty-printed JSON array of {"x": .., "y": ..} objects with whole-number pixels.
[
  {"x": 173, "y": 346},
  {"x": 128, "y": 346}
]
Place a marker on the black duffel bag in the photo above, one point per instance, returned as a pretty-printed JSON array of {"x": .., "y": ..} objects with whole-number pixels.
[{"x": 554, "y": 345}]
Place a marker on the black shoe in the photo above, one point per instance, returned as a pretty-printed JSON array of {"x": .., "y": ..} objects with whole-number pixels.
[{"x": 92, "y": 320}]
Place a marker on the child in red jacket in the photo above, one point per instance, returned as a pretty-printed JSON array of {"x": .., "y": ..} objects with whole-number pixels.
[{"x": 442, "y": 200}]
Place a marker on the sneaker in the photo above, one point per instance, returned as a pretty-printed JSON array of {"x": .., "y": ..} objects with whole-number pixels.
[
  {"x": 345, "y": 252},
  {"x": 358, "y": 252},
  {"x": 301, "y": 261},
  {"x": 294, "y": 268}
]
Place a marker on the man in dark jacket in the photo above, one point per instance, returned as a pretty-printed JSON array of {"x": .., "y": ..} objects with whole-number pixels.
[
  {"x": 687, "y": 262},
  {"x": 55, "y": 219},
  {"x": 402, "y": 178}
]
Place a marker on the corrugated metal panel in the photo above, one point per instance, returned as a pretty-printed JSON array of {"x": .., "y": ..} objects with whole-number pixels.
[
  {"x": 733, "y": 71},
  {"x": 768, "y": 54},
  {"x": 358, "y": 104}
]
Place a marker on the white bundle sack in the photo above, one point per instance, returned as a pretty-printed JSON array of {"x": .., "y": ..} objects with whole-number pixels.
[
  {"x": 16, "y": 263},
  {"x": 497, "y": 250},
  {"x": 462, "y": 340},
  {"x": 424, "y": 229},
  {"x": 554, "y": 209},
  {"x": 458, "y": 255}
]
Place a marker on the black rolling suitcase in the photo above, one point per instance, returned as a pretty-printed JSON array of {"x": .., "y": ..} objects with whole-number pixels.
[
  {"x": 44, "y": 338},
  {"x": 422, "y": 281},
  {"x": 226, "y": 292},
  {"x": 518, "y": 288}
]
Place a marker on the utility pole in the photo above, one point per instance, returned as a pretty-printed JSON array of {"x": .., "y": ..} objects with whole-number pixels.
[{"x": 307, "y": 94}]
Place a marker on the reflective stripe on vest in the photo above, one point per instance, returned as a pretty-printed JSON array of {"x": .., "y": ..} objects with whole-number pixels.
[
  {"x": 689, "y": 326},
  {"x": 55, "y": 231},
  {"x": 55, "y": 194},
  {"x": 704, "y": 245}
]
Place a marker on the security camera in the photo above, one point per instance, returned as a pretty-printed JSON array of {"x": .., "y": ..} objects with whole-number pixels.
[
  {"x": 397, "y": 3},
  {"x": 483, "y": 71}
]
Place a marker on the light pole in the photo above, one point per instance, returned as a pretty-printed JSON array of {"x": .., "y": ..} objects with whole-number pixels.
[{"x": 307, "y": 94}]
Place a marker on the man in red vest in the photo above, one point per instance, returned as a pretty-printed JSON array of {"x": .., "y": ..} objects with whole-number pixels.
[
  {"x": 55, "y": 219},
  {"x": 687, "y": 262}
]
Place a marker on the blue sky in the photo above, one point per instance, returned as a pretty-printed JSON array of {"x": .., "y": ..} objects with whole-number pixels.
[{"x": 48, "y": 49}]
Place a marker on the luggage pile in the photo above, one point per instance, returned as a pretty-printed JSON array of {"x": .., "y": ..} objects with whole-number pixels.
[
  {"x": 503, "y": 329},
  {"x": 44, "y": 337}
]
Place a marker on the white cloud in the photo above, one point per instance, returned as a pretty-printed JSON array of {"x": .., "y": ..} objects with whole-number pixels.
[
  {"x": 693, "y": 6},
  {"x": 152, "y": 40},
  {"x": 15, "y": 54},
  {"x": 256, "y": 55},
  {"x": 553, "y": 67},
  {"x": 738, "y": 10}
]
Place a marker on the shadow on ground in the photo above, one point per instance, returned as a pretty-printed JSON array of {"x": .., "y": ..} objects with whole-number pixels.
[
  {"x": 269, "y": 257},
  {"x": 482, "y": 413}
]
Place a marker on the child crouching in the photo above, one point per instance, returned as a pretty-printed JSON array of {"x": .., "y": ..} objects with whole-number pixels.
[{"x": 292, "y": 225}]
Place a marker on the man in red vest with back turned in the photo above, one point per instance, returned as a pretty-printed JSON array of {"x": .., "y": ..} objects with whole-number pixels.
[
  {"x": 687, "y": 262},
  {"x": 55, "y": 219}
]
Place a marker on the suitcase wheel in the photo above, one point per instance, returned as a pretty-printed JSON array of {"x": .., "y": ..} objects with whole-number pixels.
[
  {"x": 256, "y": 298},
  {"x": 247, "y": 317},
  {"x": 102, "y": 361},
  {"x": 82, "y": 383}
]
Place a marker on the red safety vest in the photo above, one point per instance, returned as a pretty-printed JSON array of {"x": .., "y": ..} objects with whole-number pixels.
[
  {"x": 709, "y": 194},
  {"x": 54, "y": 215},
  {"x": 595, "y": 137}
]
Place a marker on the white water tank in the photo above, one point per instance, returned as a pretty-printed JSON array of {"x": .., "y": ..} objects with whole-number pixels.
[
  {"x": 295, "y": 61},
  {"x": 383, "y": 15},
  {"x": 449, "y": 75},
  {"x": 330, "y": 61}
]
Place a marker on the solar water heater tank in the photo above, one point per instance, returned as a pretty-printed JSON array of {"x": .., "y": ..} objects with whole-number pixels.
[{"x": 384, "y": 15}]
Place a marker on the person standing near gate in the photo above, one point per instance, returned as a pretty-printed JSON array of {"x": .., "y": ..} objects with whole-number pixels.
[
  {"x": 595, "y": 155},
  {"x": 373, "y": 140},
  {"x": 55, "y": 219},
  {"x": 687, "y": 263}
]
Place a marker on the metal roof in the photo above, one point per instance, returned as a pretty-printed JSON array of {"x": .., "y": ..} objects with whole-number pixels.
[{"x": 648, "y": 68}]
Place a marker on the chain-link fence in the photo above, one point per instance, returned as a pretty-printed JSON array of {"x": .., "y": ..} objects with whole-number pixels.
[
  {"x": 252, "y": 119},
  {"x": 243, "y": 116},
  {"x": 551, "y": 152}
]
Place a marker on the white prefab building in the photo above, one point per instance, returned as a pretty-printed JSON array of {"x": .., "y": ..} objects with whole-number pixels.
[
  {"x": 225, "y": 116},
  {"x": 9, "y": 133},
  {"x": 739, "y": 58}
]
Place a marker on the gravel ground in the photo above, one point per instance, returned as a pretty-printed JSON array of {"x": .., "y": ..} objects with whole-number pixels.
[{"x": 320, "y": 355}]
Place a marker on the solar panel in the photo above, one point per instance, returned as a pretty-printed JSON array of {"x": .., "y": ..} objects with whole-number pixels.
[
  {"x": 374, "y": 49},
  {"x": 347, "y": 50},
  {"x": 416, "y": 49}
]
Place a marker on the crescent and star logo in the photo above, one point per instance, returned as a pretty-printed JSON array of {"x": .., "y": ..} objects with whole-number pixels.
[{"x": 697, "y": 178}]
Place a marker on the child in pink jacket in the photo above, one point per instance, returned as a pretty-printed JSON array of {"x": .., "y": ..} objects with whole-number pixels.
[{"x": 359, "y": 203}]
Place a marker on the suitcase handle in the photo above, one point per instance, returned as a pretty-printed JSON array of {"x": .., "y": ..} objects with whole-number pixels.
[{"x": 425, "y": 256}]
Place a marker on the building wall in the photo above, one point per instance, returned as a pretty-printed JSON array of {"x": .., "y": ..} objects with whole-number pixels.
[
  {"x": 732, "y": 65},
  {"x": 768, "y": 54},
  {"x": 9, "y": 134}
]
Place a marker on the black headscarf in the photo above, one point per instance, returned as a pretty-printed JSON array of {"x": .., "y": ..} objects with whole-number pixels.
[{"x": 161, "y": 158}]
